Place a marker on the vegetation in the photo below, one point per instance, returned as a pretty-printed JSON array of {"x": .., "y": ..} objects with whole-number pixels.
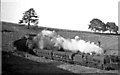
[
  {"x": 108, "y": 41},
  {"x": 29, "y": 17},
  {"x": 111, "y": 26},
  {"x": 98, "y": 25},
  {"x": 12, "y": 64}
]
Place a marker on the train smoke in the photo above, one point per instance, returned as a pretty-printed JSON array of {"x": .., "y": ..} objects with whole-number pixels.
[
  {"x": 73, "y": 45},
  {"x": 78, "y": 45}
]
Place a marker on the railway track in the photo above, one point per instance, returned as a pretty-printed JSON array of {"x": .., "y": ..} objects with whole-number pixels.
[{"x": 66, "y": 66}]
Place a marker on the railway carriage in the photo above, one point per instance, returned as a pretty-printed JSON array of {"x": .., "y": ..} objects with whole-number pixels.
[
  {"x": 63, "y": 56},
  {"x": 43, "y": 53}
]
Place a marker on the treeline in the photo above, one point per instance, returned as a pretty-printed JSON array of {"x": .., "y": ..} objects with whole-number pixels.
[{"x": 98, "y": 25}]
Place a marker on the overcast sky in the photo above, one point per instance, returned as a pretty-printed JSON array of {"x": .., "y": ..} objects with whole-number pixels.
[{"x": 65, "y": 14}]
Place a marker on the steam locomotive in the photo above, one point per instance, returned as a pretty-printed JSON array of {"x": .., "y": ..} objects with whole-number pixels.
[{"x": 104, "y": 62}]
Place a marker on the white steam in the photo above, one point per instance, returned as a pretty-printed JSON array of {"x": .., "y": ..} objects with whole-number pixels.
[
  {"x": 73, "y": 45},
  {"x": 78, "y": 45}
]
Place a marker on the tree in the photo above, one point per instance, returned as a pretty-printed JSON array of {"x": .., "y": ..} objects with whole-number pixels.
[
  {"x": 96, "y": 24},
  {"x": 29, "y": 17},
  {"x": 112, "y": 27}
]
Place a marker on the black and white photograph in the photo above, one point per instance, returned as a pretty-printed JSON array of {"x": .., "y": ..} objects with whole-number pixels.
[{"x": 60, "y": 37}]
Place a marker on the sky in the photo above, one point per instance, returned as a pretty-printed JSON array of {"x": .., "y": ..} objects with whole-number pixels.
[{"x": 64, "y": 14}]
